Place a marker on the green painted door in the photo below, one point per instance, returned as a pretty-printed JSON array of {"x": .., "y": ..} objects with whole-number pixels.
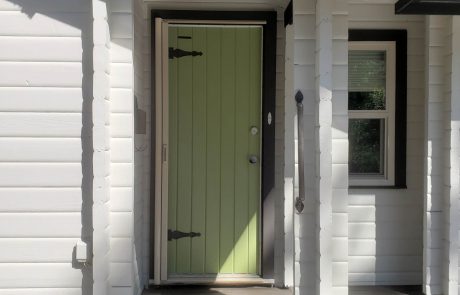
[{"x": 214, "y": 129}]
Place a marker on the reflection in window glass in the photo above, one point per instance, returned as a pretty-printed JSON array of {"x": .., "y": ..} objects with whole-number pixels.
[
  {"x": 367, "y": 148},
  {"x": 366, "y": 79}
]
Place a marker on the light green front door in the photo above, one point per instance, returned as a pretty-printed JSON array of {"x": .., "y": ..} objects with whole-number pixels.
[{"x": 214, "y": 135}]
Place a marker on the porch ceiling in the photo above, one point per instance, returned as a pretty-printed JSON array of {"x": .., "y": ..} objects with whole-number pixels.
[
  {"x": 217, "y": 4},
  {"x": 432, "y": 7}
]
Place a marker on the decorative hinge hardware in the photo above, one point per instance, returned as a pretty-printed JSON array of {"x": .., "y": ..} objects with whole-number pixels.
[
  {"x": 177, "y": 53},
  {"x": 175, "y": 235}
]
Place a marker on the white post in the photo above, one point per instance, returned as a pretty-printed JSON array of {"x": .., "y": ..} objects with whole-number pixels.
[
  {"x": 324, "y": 143},
  {"x": 101, "y": 148},
  {"x": 289, "y": 159},
  {"x": 433, "y": 203},
  {"x": 453, "y": 152}
]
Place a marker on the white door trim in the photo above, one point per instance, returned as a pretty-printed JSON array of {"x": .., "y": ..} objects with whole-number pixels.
[{"x": 161, "y": 140}]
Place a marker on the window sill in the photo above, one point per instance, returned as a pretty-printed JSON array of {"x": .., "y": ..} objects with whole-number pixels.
[{"x": 377, "y": 187}]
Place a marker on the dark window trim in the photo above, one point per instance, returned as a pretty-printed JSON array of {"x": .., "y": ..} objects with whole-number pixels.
[
  {"x": 400, "y": 37},
  {"x": 432, "y": 7},
  {"x": 268, "y": 130}
]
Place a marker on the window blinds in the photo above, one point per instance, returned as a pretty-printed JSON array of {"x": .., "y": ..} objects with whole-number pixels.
[{"x": 366, "y": 70}]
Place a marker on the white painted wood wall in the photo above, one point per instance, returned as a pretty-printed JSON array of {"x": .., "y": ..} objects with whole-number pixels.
[
  {"x": 46, "y": 150},
  {"x": 122, "y": 143},
  {"x": 386, "y": 225},
  {"x": 44, "y": 145}
]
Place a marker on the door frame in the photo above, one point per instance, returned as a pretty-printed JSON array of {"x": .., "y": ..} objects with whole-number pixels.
[{"x": 158, "y": 216}]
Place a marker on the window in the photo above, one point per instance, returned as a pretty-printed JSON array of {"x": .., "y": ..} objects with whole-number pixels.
[
  {"x": 371, "y": 110},
  {"x": 377, "y": 104}
]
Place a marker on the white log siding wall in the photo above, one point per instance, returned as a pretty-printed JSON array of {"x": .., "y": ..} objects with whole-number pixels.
[
  {"x": 340, "y": 147},
  {"x": 434, "y": 126},
  {"x": 323, "y": 145},
  {"x": 122, "y": 143},
  {"x": 305, "y": 265},
  {"x": 386, "y": 225},
  {"x": 451, "y": 156},
  {"x": 45, "y": 145},
  {"x": 101, "y": 148},
  {"x": 320, "y": 72}
]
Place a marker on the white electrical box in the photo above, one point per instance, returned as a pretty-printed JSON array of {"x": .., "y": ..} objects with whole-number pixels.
[{"x": 80, "y": 252}]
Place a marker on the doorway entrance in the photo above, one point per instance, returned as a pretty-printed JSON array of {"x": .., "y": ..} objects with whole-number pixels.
[
  {"x": 214, "y": 125},
  {"x": 214, "y": 149}
]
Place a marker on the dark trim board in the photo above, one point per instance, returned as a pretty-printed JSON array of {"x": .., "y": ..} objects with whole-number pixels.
[
  {"x": 268, "y": 128},
  {"x": 428, "y": 7},
  {"x": 400, "y": 37}
]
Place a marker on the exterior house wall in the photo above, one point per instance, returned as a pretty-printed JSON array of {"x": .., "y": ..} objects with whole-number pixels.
[
  {"x": 451, "y": 155},
  {"x": 433, "y": 205},
  {"x": 45, "y": 145},
  {"x": 340, "y": 147},
  {"x": 386, "y": 225},
  {"x": 320, "y": 71},
  {"x": 50, "y": 151},
  {"x": 120, "y": 16},
  {"x": 142, "y": 143},
  {"x": 304, "y": 80}
]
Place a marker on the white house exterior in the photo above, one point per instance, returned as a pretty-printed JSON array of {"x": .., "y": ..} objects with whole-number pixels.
[{"x": 80, "y": 147}]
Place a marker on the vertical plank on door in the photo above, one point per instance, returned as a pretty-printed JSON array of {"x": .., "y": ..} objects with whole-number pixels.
[
  {"x": 227, "y": 189},
  {"x": 254, "y": 148},
  {"x": 199, "y": 151},
  {"x": 213, "y": 58},
  {"x": 172, "y": 152},
  {"x": 242, "y": 85},
  {"x": 184, "y": 185}
]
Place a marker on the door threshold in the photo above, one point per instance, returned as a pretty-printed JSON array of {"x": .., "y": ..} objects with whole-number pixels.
[{"x": 220, "y": 280}]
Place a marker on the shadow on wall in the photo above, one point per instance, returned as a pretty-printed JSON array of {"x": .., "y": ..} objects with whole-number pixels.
[
  {"x": 76, "y": 14},
  {"x": 385, "y": 237}
]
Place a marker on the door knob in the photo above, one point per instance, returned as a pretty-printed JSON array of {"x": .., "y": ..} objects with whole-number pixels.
[{"x": 253, "y": 159}]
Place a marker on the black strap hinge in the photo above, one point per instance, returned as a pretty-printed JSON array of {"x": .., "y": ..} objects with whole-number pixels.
[{"x": 177, "y": 53}]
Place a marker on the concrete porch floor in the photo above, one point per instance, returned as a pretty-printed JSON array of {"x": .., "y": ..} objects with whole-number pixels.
[{"x": 198, "y": 290}]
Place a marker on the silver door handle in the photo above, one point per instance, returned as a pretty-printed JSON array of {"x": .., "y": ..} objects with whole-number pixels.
[{"x": 253, "y": 159}]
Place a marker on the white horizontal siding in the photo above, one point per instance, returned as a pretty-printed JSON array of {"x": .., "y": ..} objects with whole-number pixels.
[
  {"x": 40, "y": 225},
  {"x": 22, "y": 124},
  {"x": 48, "y": 6},
  {"x": 40, "y": 150},
  {"x": 42, "y": 291},
  {"x": 37, "y": 250},
  {"x": 40, "y": 99},
  {"x": 40, "y": 199},
  {"x": 386, "y": 226},
  {"x": 42, "y": 74},
  {"x": 61, "y": 24},
  {"x": 120, "y": 19},
  {"x": 305, "y": 248},
  {"x": 40, "y": 174},
  {"x": 44, "y": 49},
  {"x": 44, "y": 144},
  {"x": 39, "y": 275}
]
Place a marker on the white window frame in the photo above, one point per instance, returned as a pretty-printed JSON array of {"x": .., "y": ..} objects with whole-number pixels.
[{"x": 388, "y": 177}]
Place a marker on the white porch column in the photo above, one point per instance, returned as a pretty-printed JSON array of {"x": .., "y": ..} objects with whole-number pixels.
[
  {"x": 324, "y": 143},
  {"x": 340, "y": 148},
  {"x": 452, "y": 148},
  {"x": 305, "y": 248},
  {"x": 433, "y": 202},
  {"x": 101, "y": 148}
]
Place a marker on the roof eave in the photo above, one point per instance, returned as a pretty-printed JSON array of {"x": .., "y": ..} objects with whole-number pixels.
[{"x": 428, "y": 7}]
